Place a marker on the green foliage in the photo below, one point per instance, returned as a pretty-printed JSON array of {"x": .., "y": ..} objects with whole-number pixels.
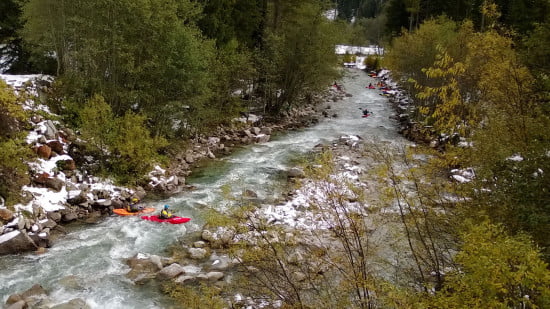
[
  {"x": 141, "y": 55},
  {"x": 13, "y": 170},
  {"x": 372, "y": 62},
  {"x": 372, "y": 30},
  {"x": 495, "y": 271},
  {"x": 422, "y": 47},
  {"x": 195, "y": 297},
  {"x": 349, "y": 58},
  {"x": 519, "y": 15},
  {"x": 11, "y": 112},
  {"x": 13, "y": 151},
  {"x": 240, "y": 20},
  {"x": 445, "y": 107},
  {"x": 98, "y": 124},
  {"x": 297, "y": 57},
  {"x": 124, "y": 141},
  {"x": 136, "y": 151}
]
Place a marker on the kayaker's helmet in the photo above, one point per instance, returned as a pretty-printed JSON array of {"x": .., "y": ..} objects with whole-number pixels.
[
  {"x": 166, "y": 206},
  {"x": 135, "y": 200}
]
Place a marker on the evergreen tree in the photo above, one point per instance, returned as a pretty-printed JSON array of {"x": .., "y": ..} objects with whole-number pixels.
[{"x": 17, "y": 57}]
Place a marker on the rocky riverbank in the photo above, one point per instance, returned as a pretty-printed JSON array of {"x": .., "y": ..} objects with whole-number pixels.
[{"x": 61, "y": 191}]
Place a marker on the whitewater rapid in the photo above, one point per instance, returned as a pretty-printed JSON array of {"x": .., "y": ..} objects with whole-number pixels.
[{"x": 89, "y": 263}]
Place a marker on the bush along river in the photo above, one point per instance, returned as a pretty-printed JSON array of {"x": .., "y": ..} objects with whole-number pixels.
[{"x": 88, "y": 268}]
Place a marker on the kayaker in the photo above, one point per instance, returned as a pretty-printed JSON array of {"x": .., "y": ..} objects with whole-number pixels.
[
  {"x": 165, "y": 212},
  {"x": 366, "y": 112},
  {"x": 133, "y": 205}
]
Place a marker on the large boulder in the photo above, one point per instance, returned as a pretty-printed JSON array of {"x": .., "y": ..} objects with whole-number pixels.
[
  {"x": 56, "y": 146},
  {"x": 142, "y": 269},
  {"x": 197, "y": 253},
  {"x": 171, "y": 271},
  {"x": 44, "y": 152},
  {"x": 50, "y": 130},
  {"x": 16, "y": 242},
  {"x": 54, "y": 183}
]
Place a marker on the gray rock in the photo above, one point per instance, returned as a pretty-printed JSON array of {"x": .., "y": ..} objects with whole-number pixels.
[
  {"x": 296, "y": 172},
  {"x": 34, "y": 293},
  {"x": 199, "y": 244},
  {"x": 171, "y": 271},
  {"x": 21, "y": 223},
  {"x": 189, "y": 158},
  {"x": 17, "y": 242},
  {"x": 55, "y": 216},
  {"x": 184, "y": 278},
  {"x": 103, "y": 203},
  {"x": 51, "y": 130},
  {"x": 255, "y": 130},
  {"x": 213, "y": 141},
  {"x": 142, "y": 270},
  {"x": 262, "y": 138},
  {"x": 210, "y": 154},
  {"x": 78, "y": 199},
  {"x": 48, "y": 223},
  {"x": 54, "y": 183},
  {"x": 208, "y": 236},
  {"x": 191, "y": 269},
  {"x": 155, "y": 259},
  {"x": 18, "y": 305},
  {"x": 197, "y": 253},
  {"x": 214, "y": 275},
  {"x": 69, "y": 216},
  {"x": 220, "y": 262}
]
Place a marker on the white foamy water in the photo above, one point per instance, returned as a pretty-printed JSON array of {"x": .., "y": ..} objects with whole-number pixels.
[{"x": 94, "y": 255}]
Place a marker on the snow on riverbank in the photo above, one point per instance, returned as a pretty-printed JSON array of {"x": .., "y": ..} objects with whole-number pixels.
[{"x": 55, "y": 178}]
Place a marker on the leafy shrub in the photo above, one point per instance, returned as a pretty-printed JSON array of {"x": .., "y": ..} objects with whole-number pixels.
[
  {"x": 124, "y": 143},
  {"x": 13, "y": 171},
  {"x": 372, "y": 62}
]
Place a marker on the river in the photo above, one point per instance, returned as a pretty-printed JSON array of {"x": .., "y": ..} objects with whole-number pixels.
[{"x": 89, "y": 263}]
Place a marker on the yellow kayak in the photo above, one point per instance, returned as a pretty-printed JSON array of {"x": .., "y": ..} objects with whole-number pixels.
[{"x": 124, "y": 212}]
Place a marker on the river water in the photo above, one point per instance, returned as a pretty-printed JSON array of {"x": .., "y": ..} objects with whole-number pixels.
[{"x": 89, "y": 263}]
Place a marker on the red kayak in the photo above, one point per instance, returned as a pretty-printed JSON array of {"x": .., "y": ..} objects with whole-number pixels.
[{"x": 173, "y": 220}]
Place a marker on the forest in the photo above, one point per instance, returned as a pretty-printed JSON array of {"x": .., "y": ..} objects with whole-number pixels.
[{"x": 139, "y": 78}]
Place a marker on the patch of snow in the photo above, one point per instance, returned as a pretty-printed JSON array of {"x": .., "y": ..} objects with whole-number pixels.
[
  {"x": 515, "y": 158},
  {"x": 48, "y": 166},
  {"x": 8, "y": 236},
  {"x": 330, "y": 14},
  {"x": 13, "y": 222},
  {"x": 251, "y": 118},
  {"x": 460, "y": 179},
  {"x": 363, "y": 50},
  {"x": 32, "y": 137},
  {"x": 47, "y": 199},
  {"x": 464, "y": 144}
]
